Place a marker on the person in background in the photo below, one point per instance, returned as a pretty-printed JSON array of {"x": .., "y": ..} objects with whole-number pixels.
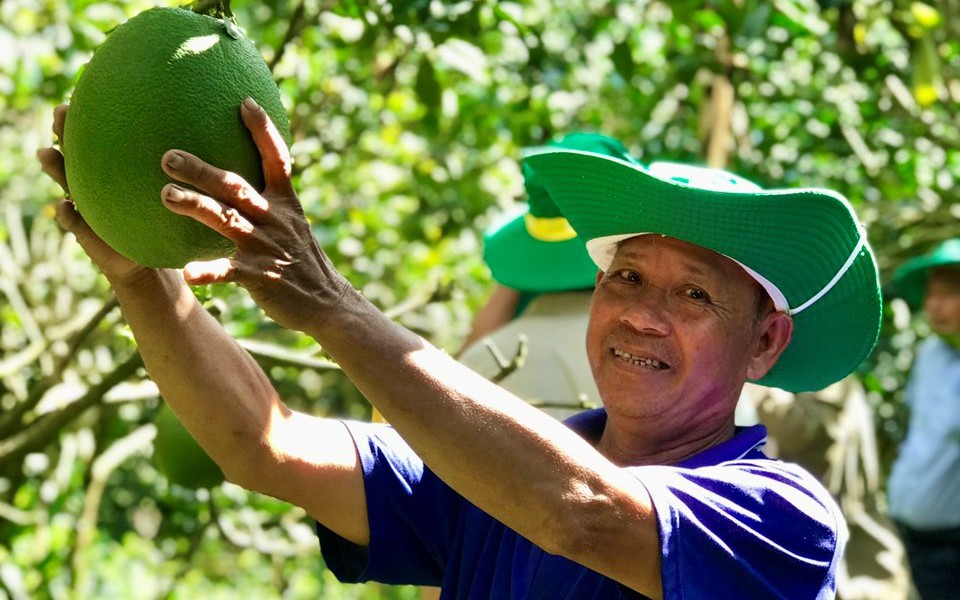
[
  {"x": 924, "y": 486},
  {"x": 528, "y": 337}
]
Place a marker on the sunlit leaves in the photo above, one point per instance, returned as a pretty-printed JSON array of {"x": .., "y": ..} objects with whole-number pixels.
[{"x": 408, "y": 117}]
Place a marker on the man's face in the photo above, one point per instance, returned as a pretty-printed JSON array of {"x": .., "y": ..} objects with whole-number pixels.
[
  {"x": 941, "y": 301},
  {"x": 674, "y": 331}
]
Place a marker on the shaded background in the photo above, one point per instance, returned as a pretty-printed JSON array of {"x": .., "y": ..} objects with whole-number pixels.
[{"x": 407, "y": 119}]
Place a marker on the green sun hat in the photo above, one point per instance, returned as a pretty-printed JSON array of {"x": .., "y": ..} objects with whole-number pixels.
[
  {"x": 910, "y": 279},
  {"x": 534, "y": 249},
  {"x": 804, "y": 246}
]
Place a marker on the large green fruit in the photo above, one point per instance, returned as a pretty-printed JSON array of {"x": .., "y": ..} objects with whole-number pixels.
[
  {"x": 167, "y": 78},
  {"x": 179, "y": 457}
]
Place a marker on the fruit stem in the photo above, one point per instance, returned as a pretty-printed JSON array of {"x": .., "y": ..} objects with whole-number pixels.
[{"x": 217, "y": 8}]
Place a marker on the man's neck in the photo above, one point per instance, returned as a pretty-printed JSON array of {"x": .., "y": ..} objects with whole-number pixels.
[{"x": 630, "y": 442}]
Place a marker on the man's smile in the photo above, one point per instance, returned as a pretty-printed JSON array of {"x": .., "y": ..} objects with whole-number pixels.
[{"x": 641, "y": 361}]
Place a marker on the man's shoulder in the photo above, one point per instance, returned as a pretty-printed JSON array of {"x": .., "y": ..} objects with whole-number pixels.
[
  {"x": 755, "y": 524},
  {"x": 780, "y": 494},
  {"x": 789, "y": 477}
]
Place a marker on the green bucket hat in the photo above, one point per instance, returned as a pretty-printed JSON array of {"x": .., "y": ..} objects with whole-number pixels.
[
  {"x": 804, "y": 246},
  {"x": 534, "y": 249},
  {"x": 911, "y": 278}
]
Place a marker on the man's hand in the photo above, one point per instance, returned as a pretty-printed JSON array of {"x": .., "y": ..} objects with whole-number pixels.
[
  {"x": 115, "y": 267},
  {"x": 215, "y": 388},
  {"x": 277, "y": 259}
]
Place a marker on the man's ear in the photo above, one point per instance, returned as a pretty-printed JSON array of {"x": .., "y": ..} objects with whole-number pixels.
[{"x": 774, "y": 332}]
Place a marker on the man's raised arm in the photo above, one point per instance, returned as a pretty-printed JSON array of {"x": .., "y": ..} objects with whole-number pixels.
[
  {"x": 220, "y": 393},
  {"x": 511, "y": 460}
]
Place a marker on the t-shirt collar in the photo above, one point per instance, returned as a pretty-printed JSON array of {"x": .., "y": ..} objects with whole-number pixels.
[{"x": 745, "y": 443}]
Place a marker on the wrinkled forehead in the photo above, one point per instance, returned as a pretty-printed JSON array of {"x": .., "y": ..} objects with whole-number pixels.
[
  {"x": 698, "y": 258},
  {"x": 640, "y": 245}
]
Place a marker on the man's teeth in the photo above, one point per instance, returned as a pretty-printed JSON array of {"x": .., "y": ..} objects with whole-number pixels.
[{"x": 638, "y": 360}]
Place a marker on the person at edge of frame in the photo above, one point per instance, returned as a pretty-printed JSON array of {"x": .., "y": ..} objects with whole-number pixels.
[{"x": 923, "y": 490}]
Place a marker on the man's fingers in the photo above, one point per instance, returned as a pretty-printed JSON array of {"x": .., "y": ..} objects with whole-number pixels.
[
  {"x": 51, "y": 162},
  {"x": 231, "y": 270},
  {"x": 221, "y": 270},
  {"x": 225, "y": 186},
  {"x": 274, "y": 154},
  {"x": 59, "y": 118},
  {"x": 69, "y": 218},
  {"x": 224, "y": 219}
]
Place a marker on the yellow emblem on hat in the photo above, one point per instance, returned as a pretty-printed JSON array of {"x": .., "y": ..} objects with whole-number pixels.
[{"x": 549, "y": 229}]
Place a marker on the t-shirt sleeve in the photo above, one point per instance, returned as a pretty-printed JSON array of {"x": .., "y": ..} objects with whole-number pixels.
[
  {"x": 411, "y": 513},
  {"x": 742, "y": 530}
]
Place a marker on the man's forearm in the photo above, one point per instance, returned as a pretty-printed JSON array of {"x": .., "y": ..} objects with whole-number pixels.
[
  {"x": 216, "y": 389},
  {"x": 510, "y": 459}
]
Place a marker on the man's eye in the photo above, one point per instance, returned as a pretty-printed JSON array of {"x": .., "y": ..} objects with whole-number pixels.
[
  {"x": 631, "y": 276},
  {"x": 698, "y": 294}
]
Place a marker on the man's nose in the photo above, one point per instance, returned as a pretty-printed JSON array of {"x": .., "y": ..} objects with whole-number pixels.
[{"x": 648, "y": 311}]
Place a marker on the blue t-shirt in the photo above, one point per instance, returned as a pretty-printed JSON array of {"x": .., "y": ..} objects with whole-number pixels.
[
  {"x": 733, "y": 524},
  {"x": 924, "y": 486}
]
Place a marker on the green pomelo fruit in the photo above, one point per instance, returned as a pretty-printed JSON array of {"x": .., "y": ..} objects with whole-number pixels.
[
  {"x": 179, "y": 457},
  {"x": 166, "y": 79}
]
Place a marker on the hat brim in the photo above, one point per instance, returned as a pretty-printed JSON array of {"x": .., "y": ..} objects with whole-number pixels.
[
  {"x": 798, "y": 239},
  {"x": 911, "y": 278},
  {"x": 518, "y": 260}
]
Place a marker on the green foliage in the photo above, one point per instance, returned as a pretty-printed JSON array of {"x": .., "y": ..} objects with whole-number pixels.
[{"x": 407, "y": 118}]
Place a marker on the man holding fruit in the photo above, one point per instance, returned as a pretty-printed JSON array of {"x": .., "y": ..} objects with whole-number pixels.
[{"x": 705, "y": 280}]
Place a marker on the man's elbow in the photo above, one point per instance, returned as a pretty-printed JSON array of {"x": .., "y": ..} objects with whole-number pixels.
[
  {"x": 253, "y": 467},
  {"x": 578, "y": 525},
  {"x": 255, "y": 458},
  {"x": 595, "y": 524},
  {"x": 614, "y": 536}
]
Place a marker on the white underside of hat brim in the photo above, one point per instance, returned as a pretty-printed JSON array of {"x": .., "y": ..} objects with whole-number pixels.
[{"x": 603, "y": 249}]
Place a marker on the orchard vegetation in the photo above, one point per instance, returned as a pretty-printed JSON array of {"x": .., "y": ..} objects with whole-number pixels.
[{"x": 407, "y": 120}]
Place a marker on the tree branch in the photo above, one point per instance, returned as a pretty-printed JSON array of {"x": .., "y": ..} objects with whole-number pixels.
[
  {"x": 195, "y": 539},
  {"x": 39, "y": 433},
  {"x": 270, "y": 354},
  {"x": 721, "y": 101},
  {"x": 255, "y": 537},
  {"x": 437, "y": 292},
  {"x": 578, "y": 405},
  {"x": 103, "y": 466},
  {"x": 506, "y": 368},
  {"x": 11, "y": 513},
  {"x": 294, "y": 27},
  {"x": 12, "y": 421}
]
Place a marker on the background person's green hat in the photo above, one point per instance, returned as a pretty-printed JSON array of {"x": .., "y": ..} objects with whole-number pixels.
[
  {"x": 534, "y": 249},
  {"x": 910, "y": 279},
  {"x": 804, "y": 246}
]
